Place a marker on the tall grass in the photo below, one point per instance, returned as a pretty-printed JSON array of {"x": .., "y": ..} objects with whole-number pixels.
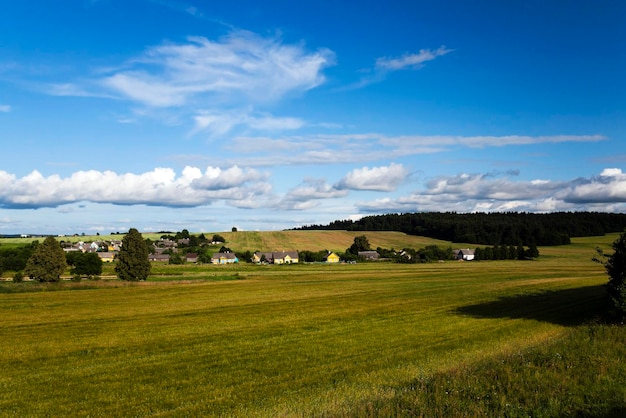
[{"x": 315, "y": 340}]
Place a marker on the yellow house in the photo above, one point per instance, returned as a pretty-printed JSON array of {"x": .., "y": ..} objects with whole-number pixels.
[
  {"x": 285, "y": 257},
  {"x": 332, "y": 258},
  {"x": 106, "y": 257}
]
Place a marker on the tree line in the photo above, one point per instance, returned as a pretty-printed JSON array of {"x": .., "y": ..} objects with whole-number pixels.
[{"x": 501, "y": 228}]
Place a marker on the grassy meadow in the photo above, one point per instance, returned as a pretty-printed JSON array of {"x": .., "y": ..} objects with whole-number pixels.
[{"x": 491, "y": 338}]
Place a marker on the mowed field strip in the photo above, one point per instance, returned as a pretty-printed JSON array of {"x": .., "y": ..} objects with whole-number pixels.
[{"x": 296, "y": 340}]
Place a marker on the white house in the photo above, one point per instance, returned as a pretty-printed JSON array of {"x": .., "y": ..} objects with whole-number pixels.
[{"x": 465, "y": 254}]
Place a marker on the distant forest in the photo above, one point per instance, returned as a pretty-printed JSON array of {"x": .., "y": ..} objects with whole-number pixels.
[{"x": 509, "y": 228}]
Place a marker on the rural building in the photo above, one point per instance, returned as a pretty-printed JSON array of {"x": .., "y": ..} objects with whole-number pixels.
[
  {"x": 276, "y": 257},
  {"x": 159, "y": 257},
  {"x": 191, "y": 258},
  {"x": 259, "y": 256},
  {"x": 285, "y": 257},
  {"x": 464, "y": 254},
  {"x": 106, "y": 256},
  {"x": 224, "y": 258},
  {"x": 331, "y": 258},
  {"x": 369, "y": 255}
]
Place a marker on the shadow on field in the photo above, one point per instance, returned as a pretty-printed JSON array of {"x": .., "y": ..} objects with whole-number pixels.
[{"x": 563, "y": 307}]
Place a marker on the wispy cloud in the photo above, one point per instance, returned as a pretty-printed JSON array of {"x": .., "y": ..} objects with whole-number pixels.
[
  {"x": 412, "y": 61},
  {"x": 5, "y": 108},
  {"x": 241, "y": 65},
  {"x": 220, "y": 123},
  {"x": 365, "y": 147},
  {"x": 385, "y": 65}
]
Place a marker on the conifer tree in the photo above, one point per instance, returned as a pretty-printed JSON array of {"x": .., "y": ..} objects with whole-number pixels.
[
  {"x": 616, "y": 268},
  {"x": 132, "y": 260},
  {"x": 47, "y": 262}
]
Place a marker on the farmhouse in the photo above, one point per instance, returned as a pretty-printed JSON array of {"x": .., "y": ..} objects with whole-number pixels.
[
  {"x": 191, "y": 257},
  {"x": 276, "y": 257},
  {"x": 369, "y": 255},
  {"x": 159, "y": 257},
  {"x": 224, "y": 258},
  {"x": 106, "y": 256},
  {"x": 331, "y": 258},
  {"x": 464, "y": 254}
]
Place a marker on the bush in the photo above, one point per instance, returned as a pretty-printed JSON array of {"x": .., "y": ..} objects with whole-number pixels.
[{"x": 18, "y": 277}]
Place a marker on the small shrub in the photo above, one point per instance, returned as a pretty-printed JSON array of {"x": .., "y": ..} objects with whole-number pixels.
[{"x": 18, "y": 277}]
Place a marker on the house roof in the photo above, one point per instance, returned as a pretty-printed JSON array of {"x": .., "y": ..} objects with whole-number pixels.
[
  {"x": 283, "y": 254},
  {"x": 368, "y": 253},
  {"x": 228, "y": 256}
]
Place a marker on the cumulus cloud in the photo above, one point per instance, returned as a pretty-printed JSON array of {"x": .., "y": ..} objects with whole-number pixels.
[
  {"x": 384, "y": 179},
  {"x": 159, "y": 187},
  {"x": 489, "y": 193},
  {"x": 414, "y": 60},
  {"x": 239, "y": 65},
  {"x": 608, "y": 187}
]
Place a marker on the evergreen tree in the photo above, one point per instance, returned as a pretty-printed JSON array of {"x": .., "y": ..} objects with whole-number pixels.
[
  {"x": 132, "y": 260},
  {"x": 616, "y": 268},
  {"x": 47, "y": 262}
]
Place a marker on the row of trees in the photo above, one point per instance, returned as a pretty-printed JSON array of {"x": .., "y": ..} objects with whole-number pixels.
[
  {"x": 511, "y": 228},
  {"x": 504, "y": 252},
  {"x": 47, "y": 261},
  {"x": 434, "y": 253}
]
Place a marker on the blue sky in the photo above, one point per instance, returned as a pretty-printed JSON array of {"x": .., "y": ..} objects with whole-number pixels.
[{"x": 171, "y": 115}]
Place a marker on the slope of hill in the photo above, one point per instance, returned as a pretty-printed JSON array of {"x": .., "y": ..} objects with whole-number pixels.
[{"x": 322, "y": 240}]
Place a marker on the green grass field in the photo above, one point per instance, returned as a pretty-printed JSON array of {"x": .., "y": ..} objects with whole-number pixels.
[{"x": 371, "y": 339}]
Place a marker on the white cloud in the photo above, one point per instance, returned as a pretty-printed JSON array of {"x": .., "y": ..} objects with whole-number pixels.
[
  {"x": 159, "y": 187},
  {"x": 488, "y": 193},
  {"x": 308, "y": 193},
  {"x": 411, "y": 60},
  {"x": 220, "y": 123},
  {"x": 360, "y": 148},
  {"x": 608, "y": 187},
  {"x": 237, "y": 67},
  {"x": 384, "y": 179},
  {"x": 5, "y": 108}
]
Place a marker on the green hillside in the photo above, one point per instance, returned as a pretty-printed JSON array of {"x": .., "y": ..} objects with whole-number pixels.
[{"x": 280, "y": 240}]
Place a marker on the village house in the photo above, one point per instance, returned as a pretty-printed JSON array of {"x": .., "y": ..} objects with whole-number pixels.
[
  {"x": 464, "y": 254},
  {"x": 331, "y": 258},
  {"x": 276, "y": 257},
  {"x": 164, "y": 258},
  {"x": 191, "y": 258},
  {"x": 369, "y": 255},
  {"x": 224, "y": 258},
  {"x": 106, "y": 256}
]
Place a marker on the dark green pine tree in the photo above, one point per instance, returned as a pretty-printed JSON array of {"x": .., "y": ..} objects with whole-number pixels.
[
  {"x": 132, "y": 260},
  {"x": 47, "y": 263},
  {"x": 616, "y": 268}
]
